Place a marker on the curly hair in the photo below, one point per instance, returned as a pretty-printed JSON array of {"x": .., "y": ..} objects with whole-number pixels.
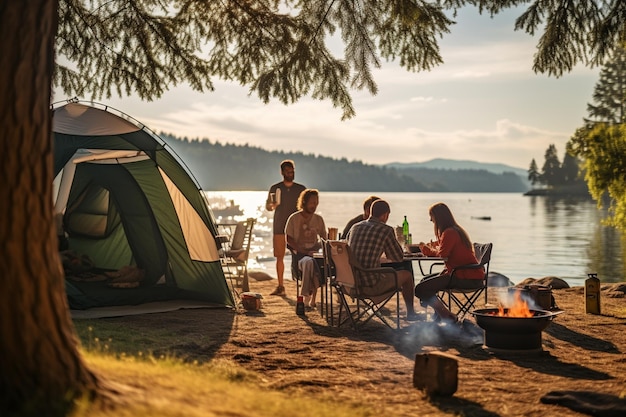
[{"x": 304, "y": 197}]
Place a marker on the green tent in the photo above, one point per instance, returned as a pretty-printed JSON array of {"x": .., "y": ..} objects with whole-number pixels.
[{"x": 124, "y": 199}]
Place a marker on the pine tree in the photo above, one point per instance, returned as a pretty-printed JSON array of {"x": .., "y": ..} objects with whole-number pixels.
[
  {"x": 551, "y": 170},
  {"x": 533, "y": 173},
  {"x": 610, "y": 92},
  {"x": 569, "y": 169},
  {"x": 601, "y": 141}
]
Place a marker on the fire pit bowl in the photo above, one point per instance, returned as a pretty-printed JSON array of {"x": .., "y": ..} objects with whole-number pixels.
[{"x": 513, "y": 333}]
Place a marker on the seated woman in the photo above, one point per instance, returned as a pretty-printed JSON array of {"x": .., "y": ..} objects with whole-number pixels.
[{"x": 453, "y": 243}]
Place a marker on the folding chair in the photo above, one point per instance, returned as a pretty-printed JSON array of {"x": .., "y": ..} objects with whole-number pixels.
[
  {"x": 328, "y": 272},
  {"x": 295, "y": 271},
  {"x": 348, "y": 284},
  {"x": 235, "y": 254},
  {"x": 463, "y": 299}
]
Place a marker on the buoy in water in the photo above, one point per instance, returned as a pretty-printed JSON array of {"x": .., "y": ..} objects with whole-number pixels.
[{"x": 481, "y": 217}]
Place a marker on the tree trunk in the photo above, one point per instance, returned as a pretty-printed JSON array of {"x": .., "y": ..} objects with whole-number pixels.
[{"x": 41, "y": 370}]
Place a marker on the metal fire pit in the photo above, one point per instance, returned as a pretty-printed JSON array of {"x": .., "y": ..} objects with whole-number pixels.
[{"x": 513, "y": 333}]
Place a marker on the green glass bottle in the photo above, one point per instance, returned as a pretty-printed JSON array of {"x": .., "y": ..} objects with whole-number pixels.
[{"x": 405, "y": 230}]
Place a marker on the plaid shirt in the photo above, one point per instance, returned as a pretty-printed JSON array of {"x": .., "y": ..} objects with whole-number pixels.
[{"x": 368, "y": 241}]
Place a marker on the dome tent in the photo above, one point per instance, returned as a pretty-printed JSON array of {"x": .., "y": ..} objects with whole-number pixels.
[{"x": 125, "y": 199}]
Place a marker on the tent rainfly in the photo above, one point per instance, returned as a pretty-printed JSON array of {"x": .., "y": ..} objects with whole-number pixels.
[{"x": 124, "y": 199}]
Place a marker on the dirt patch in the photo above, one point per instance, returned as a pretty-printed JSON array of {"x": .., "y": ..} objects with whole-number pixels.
[{"x": 374, "y": 366}]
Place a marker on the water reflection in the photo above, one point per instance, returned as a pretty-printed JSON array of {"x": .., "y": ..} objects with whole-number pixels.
[
  {"x": 581, "y": 227},
  {"x": 606, "y": 253}
]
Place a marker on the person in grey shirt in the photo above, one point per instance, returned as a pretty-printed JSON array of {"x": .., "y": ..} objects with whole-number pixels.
[
  {"x": 303, "y": 231},
  {"x": 283, "y": 205}
]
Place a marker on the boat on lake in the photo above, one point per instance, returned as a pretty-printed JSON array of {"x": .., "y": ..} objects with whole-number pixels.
[{"x": 231, "y": 210}]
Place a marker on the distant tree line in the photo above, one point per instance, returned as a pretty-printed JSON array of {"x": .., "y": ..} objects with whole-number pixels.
[
  {"x": 557, "y": 175},
  {"x": 224, "y": 167},
  {"x": 467, "y": 180}
]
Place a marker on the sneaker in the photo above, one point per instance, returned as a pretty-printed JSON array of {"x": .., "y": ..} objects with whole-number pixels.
[
  {"x": 416, "y": 317},
  {"x": 280, "y": 290},
  {"x": 447, "y": 321}
]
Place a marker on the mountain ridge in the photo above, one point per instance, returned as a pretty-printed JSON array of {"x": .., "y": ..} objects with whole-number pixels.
[{"x": 458, "y": 164}]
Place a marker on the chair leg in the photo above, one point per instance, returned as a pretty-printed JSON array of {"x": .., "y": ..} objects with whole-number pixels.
[
  {"x": 467, "y": 302},
  {"x": 343, "y": 304},
  {"x": 398, "y": 311},
  {"x": 245, "y": 285}
]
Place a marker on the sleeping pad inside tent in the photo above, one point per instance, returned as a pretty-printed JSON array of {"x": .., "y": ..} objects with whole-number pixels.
[{"x": 136, "y": 224}]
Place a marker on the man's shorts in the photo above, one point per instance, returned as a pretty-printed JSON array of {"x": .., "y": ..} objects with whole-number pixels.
[
  {"x": 280, "y": 245},
  {"x": 385, "y": 285}
]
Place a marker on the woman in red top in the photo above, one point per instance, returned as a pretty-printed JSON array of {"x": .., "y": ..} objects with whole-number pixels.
[{"x": 453, "y": 243}]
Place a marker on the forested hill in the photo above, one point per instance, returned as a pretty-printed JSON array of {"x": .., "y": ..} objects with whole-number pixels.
[{"x": 225, "y": 167}]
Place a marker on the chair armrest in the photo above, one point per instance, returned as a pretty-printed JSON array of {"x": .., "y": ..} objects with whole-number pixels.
[
  {"x": 239, "y": 254},
  {"x": 462, "y": 267},
  {"x": 434, "y": 264}
]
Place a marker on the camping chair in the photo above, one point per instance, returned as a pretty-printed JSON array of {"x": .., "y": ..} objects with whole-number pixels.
[
  {"x": 235, "y": 254},
  {"x": 295, "y": 270},
  {"x": 463, "y": 299},
  {"x": 328, "y": 274},
  {"x": 296, "y": 273},
  {"x": 347, "y": 282}
]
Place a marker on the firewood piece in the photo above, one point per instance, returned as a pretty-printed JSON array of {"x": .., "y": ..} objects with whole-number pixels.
[{"x": 436, "y": 373}]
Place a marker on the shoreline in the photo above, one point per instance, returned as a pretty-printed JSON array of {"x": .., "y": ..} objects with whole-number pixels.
[{"x": 265, "y": 269}]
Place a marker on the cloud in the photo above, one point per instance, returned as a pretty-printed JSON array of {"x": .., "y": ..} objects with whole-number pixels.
[
  {"x": 382, "y": 132},
  {"x": 422, "y": 99},
  {"x": 471, "y": 74}
]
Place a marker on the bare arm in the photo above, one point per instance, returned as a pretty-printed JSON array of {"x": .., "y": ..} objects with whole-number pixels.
[{"x": 269, "y": 205}]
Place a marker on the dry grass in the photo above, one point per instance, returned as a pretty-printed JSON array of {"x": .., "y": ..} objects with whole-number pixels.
[
  {"x": 170, "y": 388},
  {"x": 272, "y": 362}
]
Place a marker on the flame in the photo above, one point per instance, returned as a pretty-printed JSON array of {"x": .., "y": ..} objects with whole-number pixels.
[{"x": 519, "y": 308}]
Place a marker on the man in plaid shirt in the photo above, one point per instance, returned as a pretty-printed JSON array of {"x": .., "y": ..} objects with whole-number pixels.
[{"x": 368, "y": 240}]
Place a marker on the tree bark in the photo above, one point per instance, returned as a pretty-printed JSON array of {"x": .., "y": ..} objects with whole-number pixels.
[{"x": 41, "y": 370}]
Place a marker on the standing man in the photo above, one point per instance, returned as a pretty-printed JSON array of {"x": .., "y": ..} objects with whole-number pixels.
[
  {"x": 304, "y": 229},
  {"x": 368, "y": 241},
  {"x": 282, "y": 199}
]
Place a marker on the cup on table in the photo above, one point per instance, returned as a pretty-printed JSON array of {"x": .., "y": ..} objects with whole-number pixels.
[
  {"x": 400, "y": 235},
  {"x": 332, "y": 233}
]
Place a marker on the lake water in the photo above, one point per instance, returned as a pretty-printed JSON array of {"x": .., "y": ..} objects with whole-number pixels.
[{"x": 532, "y": 236}]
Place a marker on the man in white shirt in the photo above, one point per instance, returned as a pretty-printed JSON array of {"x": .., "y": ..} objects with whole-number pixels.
[{"x": 303, "y": 231}]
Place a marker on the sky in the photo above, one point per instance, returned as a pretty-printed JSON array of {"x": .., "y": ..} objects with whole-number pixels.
[{"x": 484, "y": 104}]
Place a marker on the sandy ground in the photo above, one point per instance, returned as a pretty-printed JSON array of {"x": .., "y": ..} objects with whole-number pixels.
[{"x": 374, "y": 366}]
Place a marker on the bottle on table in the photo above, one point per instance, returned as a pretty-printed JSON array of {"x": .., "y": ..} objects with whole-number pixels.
[{"x": 405, "y": 231}]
